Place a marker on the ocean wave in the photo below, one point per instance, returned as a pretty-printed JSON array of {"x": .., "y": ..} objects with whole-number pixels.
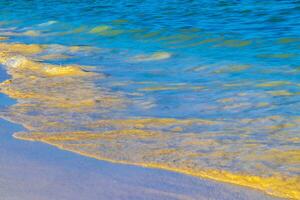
[{"x": 62, "y": 105}]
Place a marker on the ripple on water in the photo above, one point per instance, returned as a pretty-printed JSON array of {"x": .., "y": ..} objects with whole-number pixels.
[{"x": 51, "y": 105}]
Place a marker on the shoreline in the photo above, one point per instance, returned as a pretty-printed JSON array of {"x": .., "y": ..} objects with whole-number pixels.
[
  {"x": 32, "y": 167},
  {"x": 48, "y": 70},
  {"x": 149, "y": 100}
]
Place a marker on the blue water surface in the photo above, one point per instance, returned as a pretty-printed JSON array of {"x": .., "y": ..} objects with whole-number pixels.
[{"x": 226, "y": 60}]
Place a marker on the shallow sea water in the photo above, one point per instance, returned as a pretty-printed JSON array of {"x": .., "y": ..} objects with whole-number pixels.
[{"x": 209, "y": 89}]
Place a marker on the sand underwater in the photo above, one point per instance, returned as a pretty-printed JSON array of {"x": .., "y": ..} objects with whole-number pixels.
[
  {"x": 52, "y": 99},
  {"x": 128, "y": 124},
  {"x": 31, "y": 171}
]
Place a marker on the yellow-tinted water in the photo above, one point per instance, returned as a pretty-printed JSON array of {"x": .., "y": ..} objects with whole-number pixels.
[{"x": 56, "y": 103}]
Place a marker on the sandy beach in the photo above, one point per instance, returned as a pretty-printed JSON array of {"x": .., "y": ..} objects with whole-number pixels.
[
  {"x": 36, "y": 171},
  {"x": 127, "y": 100}
]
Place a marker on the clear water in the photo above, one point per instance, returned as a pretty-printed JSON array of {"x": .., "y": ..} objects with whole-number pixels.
[{"x": 209, "y": 88}]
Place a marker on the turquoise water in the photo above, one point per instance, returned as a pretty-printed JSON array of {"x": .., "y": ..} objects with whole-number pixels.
[
  {"x": 234, "y": 65},
  {"x": 264, "y": 35}
]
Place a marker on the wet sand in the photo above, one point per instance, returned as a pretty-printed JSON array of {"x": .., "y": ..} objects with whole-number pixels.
[{"x": 36, "y": 171}]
